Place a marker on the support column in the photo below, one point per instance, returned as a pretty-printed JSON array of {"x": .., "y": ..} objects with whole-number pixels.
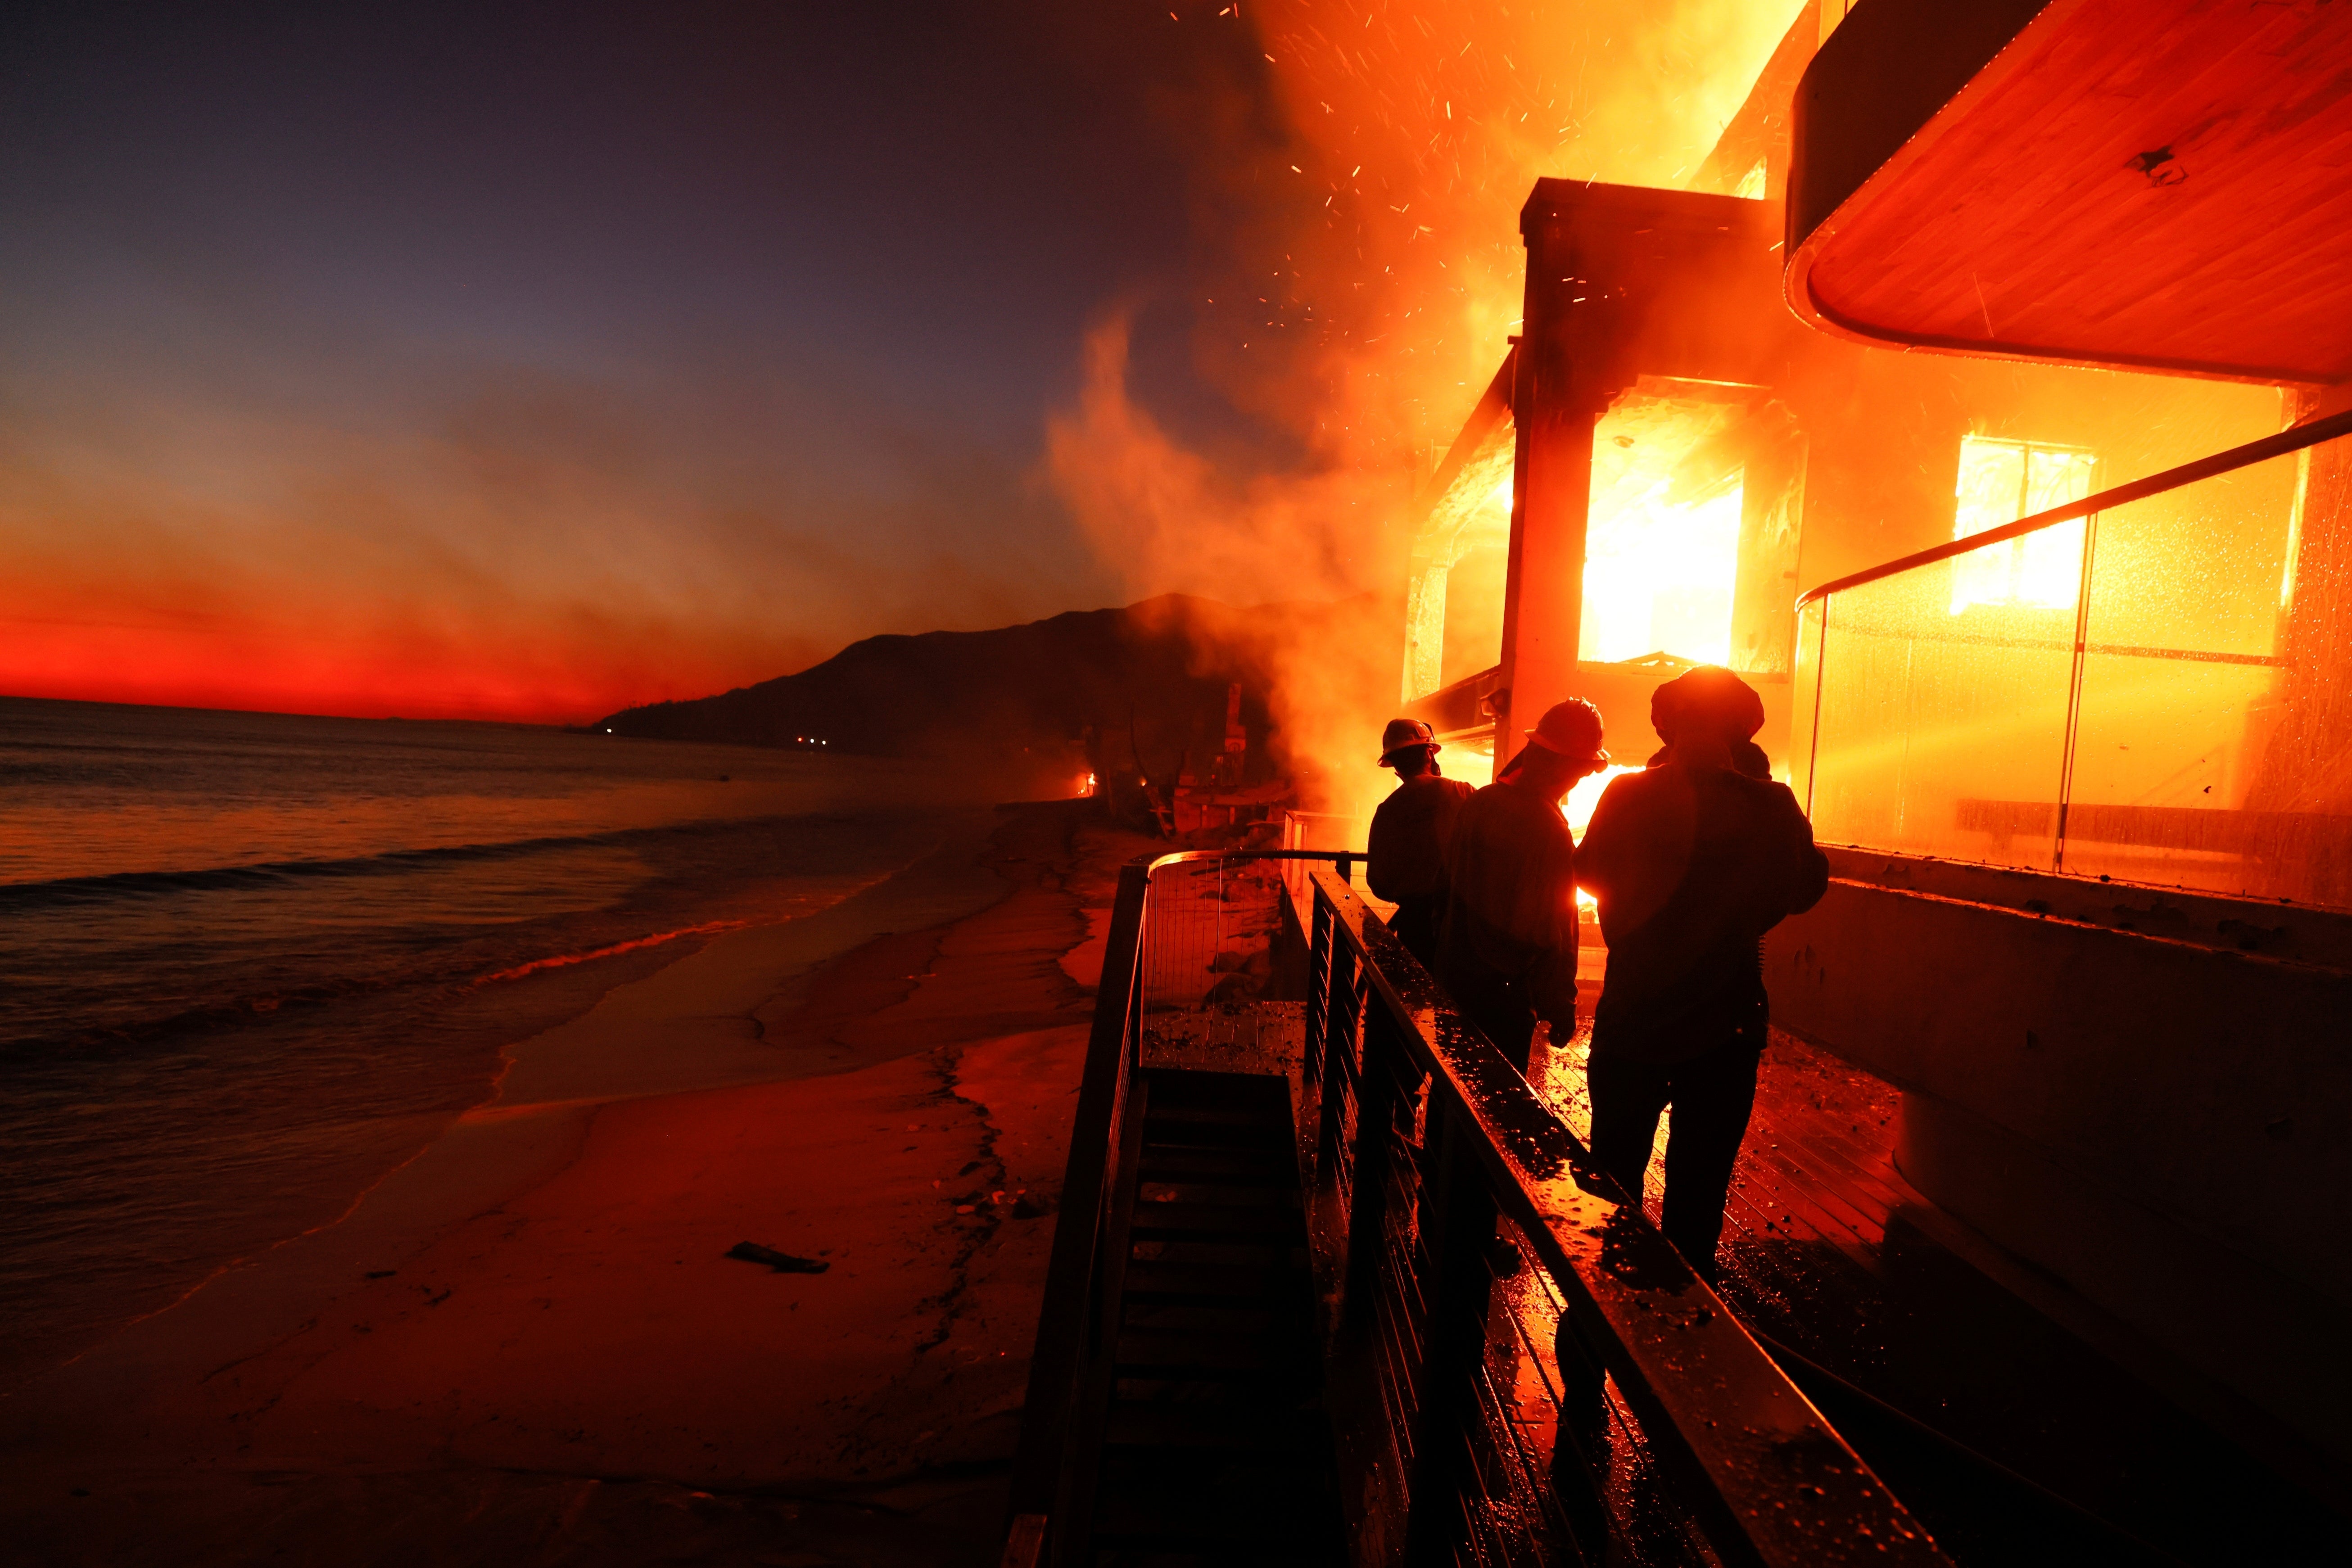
[
  {"x": 1622, "y": 281},
  {"x": 1563, "y": 384},
  {"x": 1543, "y": 607}
]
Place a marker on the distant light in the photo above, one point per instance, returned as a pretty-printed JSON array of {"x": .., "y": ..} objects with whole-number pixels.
[{"x": 608, "y": 729}]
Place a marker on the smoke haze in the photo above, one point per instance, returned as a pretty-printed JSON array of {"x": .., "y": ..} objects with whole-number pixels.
[{"x": 1356, "y": 274}]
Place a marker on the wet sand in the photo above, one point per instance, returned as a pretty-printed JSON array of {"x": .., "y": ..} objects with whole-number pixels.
[{"x": 527, "y": 1344}]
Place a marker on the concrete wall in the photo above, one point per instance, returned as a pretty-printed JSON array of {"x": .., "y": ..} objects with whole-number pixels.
[{"x": 2163, "y": 1121}]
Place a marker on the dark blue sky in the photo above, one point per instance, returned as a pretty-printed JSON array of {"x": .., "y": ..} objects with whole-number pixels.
[{"x": 515, "y": 305}]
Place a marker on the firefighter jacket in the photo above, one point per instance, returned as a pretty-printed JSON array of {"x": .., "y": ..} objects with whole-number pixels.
[
  {"x": 1691, "y": 866},
  {"x": 1511, "y": 912}
]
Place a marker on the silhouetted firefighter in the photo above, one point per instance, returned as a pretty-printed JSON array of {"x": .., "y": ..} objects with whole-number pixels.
[
  {"x": 1405, "y": 857},
  {"x": 1692, "y": 861},
  {"x": 1508, "y": 948}
]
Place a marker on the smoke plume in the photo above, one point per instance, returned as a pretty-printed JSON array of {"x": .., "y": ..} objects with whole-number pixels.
[{"x": 1356, "y": 274}]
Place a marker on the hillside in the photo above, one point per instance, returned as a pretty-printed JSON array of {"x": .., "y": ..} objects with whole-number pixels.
[{"x": 1021, "y": 701}]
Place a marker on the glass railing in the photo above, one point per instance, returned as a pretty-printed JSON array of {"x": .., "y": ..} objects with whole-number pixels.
[{"x": 2152, "y": 685}]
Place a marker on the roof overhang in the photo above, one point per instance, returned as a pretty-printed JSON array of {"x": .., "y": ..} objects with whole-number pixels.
[
  {"x": 1627, "y": 280},
  {"x": 2163, "y": 184}
]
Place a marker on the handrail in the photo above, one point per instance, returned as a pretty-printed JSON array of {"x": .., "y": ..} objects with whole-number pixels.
[
  {"x": 1058, "y": 1361},
  {"x": 1181, "y": 857},
  {"x": 2294, "y": 440},
  {"x": 1714, "y": 1405}
]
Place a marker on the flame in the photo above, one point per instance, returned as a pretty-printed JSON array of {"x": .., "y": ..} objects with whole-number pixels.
[
  {"x": 1661, "y": 547},
  {"x": 1578, "y": 807}
]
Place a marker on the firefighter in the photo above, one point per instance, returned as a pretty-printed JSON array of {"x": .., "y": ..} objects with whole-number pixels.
[
  {"x": 1405, "y": 859},
  {"x": 1692, "y": 861},
  {"x": 1507, "y": 949}
]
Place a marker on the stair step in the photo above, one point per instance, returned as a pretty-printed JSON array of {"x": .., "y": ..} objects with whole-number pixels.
[
  {"x": 1252, "y": 1222},
  {"x": 1238, "y": 1195},
  {"x": 1207, "y": 1282},
  {"x": 1238, "y": 1427},
  {"x": 1221, "y": 1088},
  {"x": 1174, "y": 1354},
  {"x": 1176, "y": 1131},
  {"x": 1209, "y": 1317},
  {"x": 1213, "y": 1524},
  {"x": 1225, "y": 1167}
]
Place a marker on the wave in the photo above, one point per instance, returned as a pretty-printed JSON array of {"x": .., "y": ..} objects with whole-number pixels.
[
  {"x": 269, "y": 875},
  {"x": 562, "y": 959},
  {"x": 128, "y": 1034}
]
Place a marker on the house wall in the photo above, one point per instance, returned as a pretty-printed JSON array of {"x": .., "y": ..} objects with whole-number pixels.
[
  {"x": 1884, "y": 429},
  {"x": 2155, "y": 1116}
]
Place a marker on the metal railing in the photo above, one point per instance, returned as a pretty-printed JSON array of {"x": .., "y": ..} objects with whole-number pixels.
[
  {"x": 1522, "y": 1369},
  {"x": 1211, "y": 931},
  {"x": 2147, "y": 684}
]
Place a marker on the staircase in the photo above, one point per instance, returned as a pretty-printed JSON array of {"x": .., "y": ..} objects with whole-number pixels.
[{"x": 1213, "y": 1442}]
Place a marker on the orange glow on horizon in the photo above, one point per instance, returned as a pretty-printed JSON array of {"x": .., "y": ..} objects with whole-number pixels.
[
  {"x": 548, "y": 547},
  {"x": 512, "y": 677}
]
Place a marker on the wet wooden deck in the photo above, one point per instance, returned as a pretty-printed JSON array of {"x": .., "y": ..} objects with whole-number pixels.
[{"x": 1829, "y": 1253}]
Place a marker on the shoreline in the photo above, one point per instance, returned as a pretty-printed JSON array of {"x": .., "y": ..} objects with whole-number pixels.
[
  {"x": 540, "y": 1301},
  {"x": 924, "y": 872}
]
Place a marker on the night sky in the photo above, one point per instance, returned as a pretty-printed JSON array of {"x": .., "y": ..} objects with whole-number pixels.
[{"x": 527, "y": 361}]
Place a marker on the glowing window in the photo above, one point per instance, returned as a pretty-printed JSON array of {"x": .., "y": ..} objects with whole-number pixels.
[
  {"x": 1662, "y": 543},
  {"x": 2002, "y": 481}
]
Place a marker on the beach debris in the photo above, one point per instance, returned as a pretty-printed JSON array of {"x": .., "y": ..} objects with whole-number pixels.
[{"x": 782, "y": 1262}]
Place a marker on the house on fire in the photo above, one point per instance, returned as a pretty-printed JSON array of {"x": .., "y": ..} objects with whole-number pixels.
[
  {"x": 1987, "y": 403},
  {"x": 2091, "y": 783}
]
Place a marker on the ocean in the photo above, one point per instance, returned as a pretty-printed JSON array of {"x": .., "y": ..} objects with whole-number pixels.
[{"x": 250, "y": 963}]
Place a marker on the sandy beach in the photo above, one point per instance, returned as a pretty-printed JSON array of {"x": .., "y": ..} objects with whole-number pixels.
[{"x": 529, "y": 1344}]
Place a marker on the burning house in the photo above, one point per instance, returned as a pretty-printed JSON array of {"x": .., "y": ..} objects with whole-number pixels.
[{"x": 1983, "y": 404}]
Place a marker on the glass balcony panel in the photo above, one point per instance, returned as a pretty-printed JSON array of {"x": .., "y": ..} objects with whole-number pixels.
[
  {"x": 1942, "y": 731},
  {"x": 2176, "y": 778}
]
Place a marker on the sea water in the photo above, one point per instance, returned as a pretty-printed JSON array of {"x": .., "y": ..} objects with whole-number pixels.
[{"x": 249, "y": 962}]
